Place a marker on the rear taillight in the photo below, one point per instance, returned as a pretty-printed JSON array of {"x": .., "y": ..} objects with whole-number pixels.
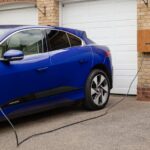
[{"x": 108, "y": 53}]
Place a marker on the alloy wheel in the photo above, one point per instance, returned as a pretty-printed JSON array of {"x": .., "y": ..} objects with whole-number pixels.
[{"x": 99, "y": 90}]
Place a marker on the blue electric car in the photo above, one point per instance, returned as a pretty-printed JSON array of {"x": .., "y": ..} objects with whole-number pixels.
[{"x": 42, "y": 67}]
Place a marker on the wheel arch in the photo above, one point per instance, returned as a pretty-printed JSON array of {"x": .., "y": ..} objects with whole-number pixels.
[{"x": 104, "y": 68}]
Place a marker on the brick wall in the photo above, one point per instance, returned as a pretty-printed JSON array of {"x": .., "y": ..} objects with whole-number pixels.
[
  {"x": 52, "y": 12},
  {"x": 144, "y": 75}
]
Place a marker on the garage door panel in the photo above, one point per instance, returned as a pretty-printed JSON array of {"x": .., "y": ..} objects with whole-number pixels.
[
  {"x": 111, "y": 11},
  {"x": 115, "y": 41},
  {"x": 119, "y": 62},
  {"x": 99, "y": 19},
  {"x": 20, "y": 14},
  {"x": 124, "y": 90},
  {"x": 124, "y": 72},
  {"x": 116, "y": 32},
  {"x": 124, "y": 48},
  {"x": 101, "y": 24},
  {"x": 121, "y": 82},
  {"x": 125, "y": 67},
  {"x": 104, "y": 17},
  {"x": 115, "y": 6},
  {"x": 20, "y": 19},
  {"x": 128, "y": 57},
  {"x": 108, "y": 24},
  {"x": 110, "y": 42},
  {"x": 111, "y": 23},
  {"x": 125, "y": 81}
]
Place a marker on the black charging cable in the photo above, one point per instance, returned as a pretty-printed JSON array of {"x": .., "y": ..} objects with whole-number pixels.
[
  {"x": 74, "y": 123},
  {"x": 11, "y": 124}
]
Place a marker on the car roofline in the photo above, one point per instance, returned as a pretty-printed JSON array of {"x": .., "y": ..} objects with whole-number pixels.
[{"x": 16, "y": 28}]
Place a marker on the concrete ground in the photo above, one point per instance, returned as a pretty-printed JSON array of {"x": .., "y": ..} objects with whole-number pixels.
[{"x": 126, "y": 127}]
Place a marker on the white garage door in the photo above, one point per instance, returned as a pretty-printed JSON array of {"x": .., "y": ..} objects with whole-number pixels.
[
  {"x": 24, "y": 14},
  {"x": 112, "y": 23}
]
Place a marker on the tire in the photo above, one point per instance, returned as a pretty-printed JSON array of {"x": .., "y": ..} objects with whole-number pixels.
[{"x": 97, "y": 90}]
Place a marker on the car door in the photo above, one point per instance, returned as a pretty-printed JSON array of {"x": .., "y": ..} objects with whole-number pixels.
[
  {"x": 70, "y": 60},
  {"x": 22, "y": 80}
]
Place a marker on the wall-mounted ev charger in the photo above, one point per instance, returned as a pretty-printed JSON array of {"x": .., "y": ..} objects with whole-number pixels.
[{"x": 74, "y": 123}]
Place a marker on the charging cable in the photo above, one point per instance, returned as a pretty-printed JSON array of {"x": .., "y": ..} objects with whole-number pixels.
[
  {"x": 74, "y": 123},
  {"x": 11, "y": 124}
]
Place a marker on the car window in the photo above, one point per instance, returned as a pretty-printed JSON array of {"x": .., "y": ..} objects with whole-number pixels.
[
  {"x": 3, "y": 31},
  {"x": 74, "y": 41},
  {"x": 28, "y": 41},
  {"x": 57, "y": 40}
]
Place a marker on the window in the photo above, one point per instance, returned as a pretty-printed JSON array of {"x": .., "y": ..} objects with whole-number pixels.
[
  {"x": 29, "y": 41},
  {"x": 74, "y": 41},
  {"x": 3, "y": 31},
  {"x": 57, "y": 40}
]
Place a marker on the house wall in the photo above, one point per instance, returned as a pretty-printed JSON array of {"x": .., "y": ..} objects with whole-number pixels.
[
  {"x": 143, "y": 21},
  {"x": 52, "y": 12}
]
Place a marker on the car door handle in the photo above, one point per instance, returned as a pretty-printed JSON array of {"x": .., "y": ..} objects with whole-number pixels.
[
  {"x": 42, "y": 69},
  {"x": 83, "y": 61}
]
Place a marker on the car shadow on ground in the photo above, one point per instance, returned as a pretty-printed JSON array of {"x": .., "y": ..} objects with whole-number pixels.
[
  {"x": 74, "y": 110},
  {"x": 54, "y": 113}
]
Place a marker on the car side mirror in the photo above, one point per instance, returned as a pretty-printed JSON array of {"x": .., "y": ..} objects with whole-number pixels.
[{"x": 12, "y": 55}]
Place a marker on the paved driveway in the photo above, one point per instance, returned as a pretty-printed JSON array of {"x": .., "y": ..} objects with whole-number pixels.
[{"x": 126, "y": 127}]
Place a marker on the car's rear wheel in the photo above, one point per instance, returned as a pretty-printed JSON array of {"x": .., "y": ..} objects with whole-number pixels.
[{"x": 97, "y": 90}]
